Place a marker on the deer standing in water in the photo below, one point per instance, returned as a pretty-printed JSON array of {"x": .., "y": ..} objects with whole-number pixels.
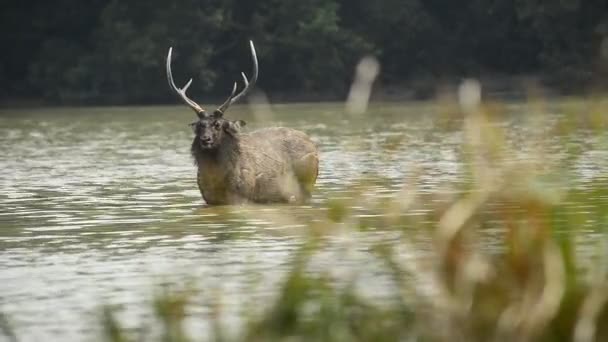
[{"x": 275, "y": 164}]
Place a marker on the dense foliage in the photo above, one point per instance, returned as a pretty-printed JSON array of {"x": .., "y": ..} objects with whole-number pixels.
[{"x": 112, "y": 51}]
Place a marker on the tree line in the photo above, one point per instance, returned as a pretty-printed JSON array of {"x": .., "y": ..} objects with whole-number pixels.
[{"x": 113, "y": 51}]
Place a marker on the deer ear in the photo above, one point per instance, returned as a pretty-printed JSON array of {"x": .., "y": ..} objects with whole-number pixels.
[
  {"x": 217, "y": 114},
  {"x": 233, "y": 127}
]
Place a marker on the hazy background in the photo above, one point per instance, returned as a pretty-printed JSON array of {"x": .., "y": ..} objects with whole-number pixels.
[{"x": 113, "y": 52}]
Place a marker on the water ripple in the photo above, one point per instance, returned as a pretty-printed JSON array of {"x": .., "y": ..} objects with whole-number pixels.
[{"x": 97, "y": 203}]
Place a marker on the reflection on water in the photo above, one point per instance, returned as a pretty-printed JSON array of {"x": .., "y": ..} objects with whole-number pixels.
[{"x": 96, "y": 205}]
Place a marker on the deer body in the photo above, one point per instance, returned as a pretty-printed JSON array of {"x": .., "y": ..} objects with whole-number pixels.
[{"x": 268, "y": 165}]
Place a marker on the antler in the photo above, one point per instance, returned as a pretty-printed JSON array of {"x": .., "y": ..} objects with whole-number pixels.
[
  {"x": 248, "y": 83},
  {"x": 182, "y": 92}
]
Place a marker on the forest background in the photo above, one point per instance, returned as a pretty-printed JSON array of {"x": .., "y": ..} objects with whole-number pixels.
[{"x": 113, "y": 51}]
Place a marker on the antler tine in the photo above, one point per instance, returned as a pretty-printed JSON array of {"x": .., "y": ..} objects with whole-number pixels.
[
  {"x": 181, "y": 92},
  {"x": 245, "y": 80},
  {"x": 226, "y": 103},
  {"x": 248, "y": 83}
]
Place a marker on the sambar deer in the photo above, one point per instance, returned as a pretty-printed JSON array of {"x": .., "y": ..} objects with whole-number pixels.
[{"x": 267, "y": 165}]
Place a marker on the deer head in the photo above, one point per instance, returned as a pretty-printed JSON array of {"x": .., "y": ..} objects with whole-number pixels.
[{"x": 210, "y": 129}]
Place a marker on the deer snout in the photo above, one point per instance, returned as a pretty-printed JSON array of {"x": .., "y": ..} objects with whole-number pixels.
[{"x": 206, "y": 139}]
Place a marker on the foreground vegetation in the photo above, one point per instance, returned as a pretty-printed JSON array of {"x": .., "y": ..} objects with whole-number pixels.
[
  {"x": 533, "y": 286},
  {"x": 112, "y": 51}
]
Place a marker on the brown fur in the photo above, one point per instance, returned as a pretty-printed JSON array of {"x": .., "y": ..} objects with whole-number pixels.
[{"x": 268, "y": 165}]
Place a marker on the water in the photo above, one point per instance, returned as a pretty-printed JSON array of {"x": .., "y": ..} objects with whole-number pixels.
[{"x": 98, "y": 205}]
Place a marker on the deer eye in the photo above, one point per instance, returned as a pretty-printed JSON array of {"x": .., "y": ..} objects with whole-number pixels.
[{"x": 217, "y": 125}]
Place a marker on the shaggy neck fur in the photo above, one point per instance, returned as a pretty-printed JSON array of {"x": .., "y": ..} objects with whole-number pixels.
[{"x": 226, "y": 151}]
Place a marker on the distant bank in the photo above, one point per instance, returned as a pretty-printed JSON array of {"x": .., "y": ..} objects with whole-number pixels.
[{"x": 497, "y": 87}]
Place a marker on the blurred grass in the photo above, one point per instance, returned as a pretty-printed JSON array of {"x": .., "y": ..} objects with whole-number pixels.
[
  {"x": 6, "y": 329},
  {"x": 532, "y": 288}
]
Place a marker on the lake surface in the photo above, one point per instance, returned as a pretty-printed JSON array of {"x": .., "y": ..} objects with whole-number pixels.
[{"x": 99, "y": 205}]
